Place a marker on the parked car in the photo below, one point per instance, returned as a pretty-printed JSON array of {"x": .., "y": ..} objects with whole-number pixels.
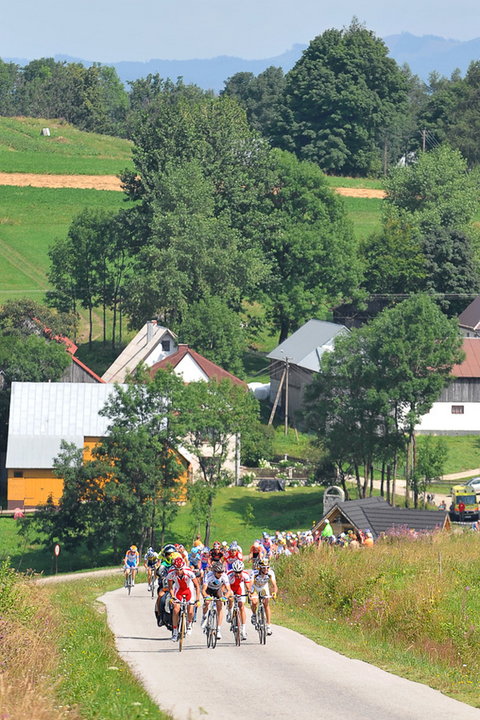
[{"x": 474, "y": 483}]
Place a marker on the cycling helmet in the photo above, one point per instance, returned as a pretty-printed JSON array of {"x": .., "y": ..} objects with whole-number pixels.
[
  {"x": 234, "y": 545},
  {"x": 238, "y": 566},
  {"x": 216, "y": 545},
  {"x": 133, "y": 548},
  {"x": 265, "y": 535},
  {"x": 174, "y": 556},
  {"x": 224, "y": 543},
  {"x": 168, "y": 549},
  {"x": 264, "y": 563},
  {"x": 179, "y": 563},
  {"x": 217, "y": 567},
  {"x": 151, "y": 552}
]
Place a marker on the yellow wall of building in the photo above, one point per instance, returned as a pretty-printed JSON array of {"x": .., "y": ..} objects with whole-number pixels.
[{"x": 35, "y": 486}]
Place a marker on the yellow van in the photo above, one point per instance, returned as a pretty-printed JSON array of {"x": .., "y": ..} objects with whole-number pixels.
[{"x": 464, "y": 503}]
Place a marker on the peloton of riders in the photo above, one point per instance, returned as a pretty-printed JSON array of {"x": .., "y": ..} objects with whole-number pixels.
[{"x": 215, "y": 574}]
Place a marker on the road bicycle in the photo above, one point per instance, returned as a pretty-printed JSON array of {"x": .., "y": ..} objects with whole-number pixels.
[
  {"x": 151, "y": 585},
  {"x": 211, "y": 627},
  {"x": 182, "y": 623},
  {"x": 261, "y": 622},
  {"x": 235, "y": 620},
  {"x": 130, "y": 579}
]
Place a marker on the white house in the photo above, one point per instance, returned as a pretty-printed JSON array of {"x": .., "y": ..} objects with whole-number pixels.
[
  {"x": 457, "y": 411},
  {"x": 151, "y": 344}
]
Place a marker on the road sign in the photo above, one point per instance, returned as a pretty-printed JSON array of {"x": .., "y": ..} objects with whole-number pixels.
[{"x": 56, "y": 550}]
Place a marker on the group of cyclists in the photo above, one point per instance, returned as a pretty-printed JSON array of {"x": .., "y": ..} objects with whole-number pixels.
[{"x": 205, "y": 575}]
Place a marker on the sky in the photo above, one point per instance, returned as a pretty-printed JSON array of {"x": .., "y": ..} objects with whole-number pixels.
[{"x": 114, "y": 30}]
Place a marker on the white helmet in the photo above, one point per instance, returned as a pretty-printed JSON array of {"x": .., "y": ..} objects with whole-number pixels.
[{"x": 238, "y": 566}]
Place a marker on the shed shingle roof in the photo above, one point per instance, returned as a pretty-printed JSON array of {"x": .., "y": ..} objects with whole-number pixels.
[{"x": 377, "y": 515}]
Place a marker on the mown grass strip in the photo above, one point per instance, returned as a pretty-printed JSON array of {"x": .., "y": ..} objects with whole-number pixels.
[{"x": 93, "y": 678}]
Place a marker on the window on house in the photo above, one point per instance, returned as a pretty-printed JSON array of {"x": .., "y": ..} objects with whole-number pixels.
[
  {"x": 166, "y": 345},
  {"x": 18, "y": 473},
  {"x": 458, "y": 409}
]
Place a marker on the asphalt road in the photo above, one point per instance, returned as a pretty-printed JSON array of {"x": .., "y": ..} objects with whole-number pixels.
[{"x": 290, "y": 677}]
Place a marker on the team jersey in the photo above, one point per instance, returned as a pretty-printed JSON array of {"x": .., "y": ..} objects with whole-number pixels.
[
  {"x": 183, "y": 585},
  {"x": 216, "y": 556},
  {"x": 261, "y": 580},
  {"x": 131, "y": 558},
  {"x": 151, "y": 560},
  {"x": 257, "y": 551},
  {"x": 232, "y": 555},
  {"x": 237, "y": 582},
  {"x": 215, "y": 583}
]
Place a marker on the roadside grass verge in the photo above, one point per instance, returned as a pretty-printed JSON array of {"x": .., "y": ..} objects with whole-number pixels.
[
  {"x": 408, "y": 606},
  {"x": 93, "y": 678},
  {"x": 58, "y": 655},
  {"x": 68, "y": 151}
]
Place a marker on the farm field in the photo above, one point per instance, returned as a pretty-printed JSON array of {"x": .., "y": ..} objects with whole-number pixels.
[
  {"x": 30, "y": 219},
  {"x": 67, "y": 151}
]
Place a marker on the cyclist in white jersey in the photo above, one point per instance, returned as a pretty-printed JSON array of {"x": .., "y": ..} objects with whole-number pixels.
[
  {"x": 215, "y": 585},
  {"x": 263, "y": 579}
]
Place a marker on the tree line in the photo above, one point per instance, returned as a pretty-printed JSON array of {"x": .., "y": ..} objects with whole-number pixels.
[{"x": 345, "y": 105}]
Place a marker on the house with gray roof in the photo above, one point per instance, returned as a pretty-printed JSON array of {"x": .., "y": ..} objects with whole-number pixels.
[
  {"x": 378, "y": 516},
  {"x": 302, "y": 352}
]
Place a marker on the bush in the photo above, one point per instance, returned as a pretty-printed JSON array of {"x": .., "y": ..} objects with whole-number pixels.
[{"x": 257, "y": 444}]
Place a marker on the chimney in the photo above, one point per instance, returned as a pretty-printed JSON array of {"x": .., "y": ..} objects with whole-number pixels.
[{"x": 149, "y": 330}]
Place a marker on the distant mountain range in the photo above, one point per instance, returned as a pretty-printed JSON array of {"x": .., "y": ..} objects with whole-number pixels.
[{"x": 423, "y": 54}]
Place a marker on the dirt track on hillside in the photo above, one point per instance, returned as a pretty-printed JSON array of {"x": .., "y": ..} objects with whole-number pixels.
[
  {"x": 111, "y": 182},
  {"x": 93, "y": 182}
]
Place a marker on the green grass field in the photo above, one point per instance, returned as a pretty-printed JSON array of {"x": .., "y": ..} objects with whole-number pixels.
[
  {"x": 67, "y": 151},
  {"x": 30, "y": 220},
  {"x": 365, "y": 213}
]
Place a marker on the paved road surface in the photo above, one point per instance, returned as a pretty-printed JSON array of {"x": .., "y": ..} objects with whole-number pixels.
[{"x": 291, "y": 677}]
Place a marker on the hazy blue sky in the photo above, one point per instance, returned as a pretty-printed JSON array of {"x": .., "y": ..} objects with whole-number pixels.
[{"x": 112, "y": 30}]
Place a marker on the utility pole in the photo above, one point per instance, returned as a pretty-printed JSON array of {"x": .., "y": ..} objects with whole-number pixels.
[
  {"x": 424, "y": 139},
  {"x": 277, "y": 397},
  {"x": 286, "y": 395}
]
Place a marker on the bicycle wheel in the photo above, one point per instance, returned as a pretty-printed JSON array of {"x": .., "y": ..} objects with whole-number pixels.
[
  {"x": 129, "y": 582},
  {"x": 236, "y": 626},
  {"x": 261, "y": 624},
  {"x": 212, "y": 626},
  {"x": 152, "y": 586},
  {"x": 182, "y": 628}
]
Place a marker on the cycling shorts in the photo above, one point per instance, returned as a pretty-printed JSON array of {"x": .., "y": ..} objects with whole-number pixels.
[
  {"x": 187, "y": 594},
  {"x": 215, "y": 593}
]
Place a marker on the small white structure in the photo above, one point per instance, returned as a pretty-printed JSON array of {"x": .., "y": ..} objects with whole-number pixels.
[
  {"x": 45, "y": 132},
  {"x": 331, "y": 497},
  {"x": 260, "y": 390}
]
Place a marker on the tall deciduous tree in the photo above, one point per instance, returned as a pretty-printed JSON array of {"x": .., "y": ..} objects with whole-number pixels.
[
  {"x": 215, "y": 330},
  {"x": 339, "y": 99},
  {"x": 436, "y": 191},
  {"x": 373, "y": 389},
  {"x": 310, "y": 246},
  {"x": 217, "y": 413},
  {"x": 141, "y": 453}
]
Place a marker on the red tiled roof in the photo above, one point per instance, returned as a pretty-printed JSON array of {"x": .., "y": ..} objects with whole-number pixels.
[
  {"x": 87, "y": 369},
  {"x": 211, "y": 370},
  {"x": 470, "y": 367}
]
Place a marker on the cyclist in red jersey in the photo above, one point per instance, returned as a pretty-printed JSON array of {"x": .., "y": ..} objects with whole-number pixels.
[
  {"x": 182, "y": 583},
  {"x": 241, "y": 585}
]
